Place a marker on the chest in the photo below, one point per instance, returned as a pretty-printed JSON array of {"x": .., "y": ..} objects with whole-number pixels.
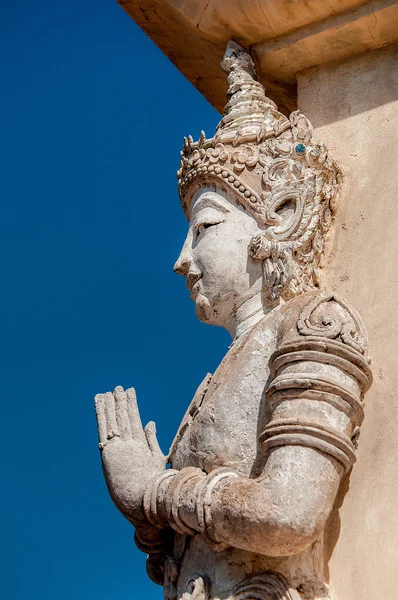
[{"x": 223, "y": 423}]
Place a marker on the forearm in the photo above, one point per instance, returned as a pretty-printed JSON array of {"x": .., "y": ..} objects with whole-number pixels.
[{"x": 280, "y": 513}]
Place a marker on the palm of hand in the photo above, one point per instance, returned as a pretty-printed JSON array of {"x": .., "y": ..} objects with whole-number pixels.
[{"x": 130, "y": 455}]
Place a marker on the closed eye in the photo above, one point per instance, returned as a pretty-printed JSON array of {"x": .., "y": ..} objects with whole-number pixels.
[{"x": 199, "y": 229}]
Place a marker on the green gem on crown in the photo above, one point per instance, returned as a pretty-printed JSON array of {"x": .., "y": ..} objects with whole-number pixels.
[{"x": 300, "y": 148}]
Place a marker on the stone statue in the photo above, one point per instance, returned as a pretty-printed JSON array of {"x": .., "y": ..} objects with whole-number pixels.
[{"x": 262, "y": 450}]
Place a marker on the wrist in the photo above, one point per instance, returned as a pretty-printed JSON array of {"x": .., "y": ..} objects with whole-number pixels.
[
  {"x": 180, "y": 499},
  {"x": 183, "y": 500},
  {"x": 154, "y": 499},
  {"x": 170, "y": 500}
]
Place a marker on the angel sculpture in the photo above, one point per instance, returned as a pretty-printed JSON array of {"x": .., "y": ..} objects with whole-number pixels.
[{"x": 261, "y": 452}]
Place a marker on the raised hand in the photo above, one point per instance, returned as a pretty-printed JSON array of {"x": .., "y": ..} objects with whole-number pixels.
[{"x": 130, "y": 455}]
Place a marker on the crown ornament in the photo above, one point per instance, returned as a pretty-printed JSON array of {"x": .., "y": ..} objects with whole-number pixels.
[{"x": 275, "y": 168}]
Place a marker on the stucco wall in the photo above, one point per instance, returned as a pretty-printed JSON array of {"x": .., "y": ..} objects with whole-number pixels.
[{"x": 354, "y": 108}]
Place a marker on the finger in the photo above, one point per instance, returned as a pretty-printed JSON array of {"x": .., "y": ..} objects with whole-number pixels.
[
  {"x": 133, "y": 412},
  {"x": 150, "y": 434},
  {"x": 122, "y": 416},
  {"x": 110, "y": 413},
  {"x": 101, "y": 418}
]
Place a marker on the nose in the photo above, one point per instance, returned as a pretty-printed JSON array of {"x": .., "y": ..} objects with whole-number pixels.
[{"x": 184, "y": 261}]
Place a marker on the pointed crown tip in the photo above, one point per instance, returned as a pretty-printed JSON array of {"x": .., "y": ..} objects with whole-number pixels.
[{"x": 236, "y": 56}]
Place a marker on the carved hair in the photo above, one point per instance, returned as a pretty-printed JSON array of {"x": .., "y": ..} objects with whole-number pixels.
[{"x": 276, "y": 168}]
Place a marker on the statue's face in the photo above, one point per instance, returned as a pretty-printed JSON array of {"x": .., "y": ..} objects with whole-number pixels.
[{"x": 214, "y": 259}]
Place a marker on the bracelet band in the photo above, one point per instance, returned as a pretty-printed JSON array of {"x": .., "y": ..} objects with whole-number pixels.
[
  {"x": 326, "y": 351},
  {"x": 290, "y": 432},
  {"x": 172, "y": 502},
  {"x": 205, "y": 491},
  {"x": 150, "y": 503}
]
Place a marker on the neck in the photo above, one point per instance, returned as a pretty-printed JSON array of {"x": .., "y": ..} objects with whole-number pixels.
[{"x": 250, "y": 312}]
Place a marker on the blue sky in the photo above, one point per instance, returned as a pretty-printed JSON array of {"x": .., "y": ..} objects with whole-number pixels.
[{"x": 93, "y": 116}]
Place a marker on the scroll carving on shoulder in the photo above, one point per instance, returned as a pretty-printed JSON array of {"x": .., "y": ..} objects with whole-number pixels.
[{"x": 331, "y": 317}]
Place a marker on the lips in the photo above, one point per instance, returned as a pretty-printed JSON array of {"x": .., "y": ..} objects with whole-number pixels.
[{"x": 192, "y": 281}]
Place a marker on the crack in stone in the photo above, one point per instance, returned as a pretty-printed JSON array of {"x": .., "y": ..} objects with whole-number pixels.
[
  {"x": 265, "y": 17},
  {"x": 202, "y": 15},
  {"x": 375, "y": 23},
  {"x": 331, "y": 7}
]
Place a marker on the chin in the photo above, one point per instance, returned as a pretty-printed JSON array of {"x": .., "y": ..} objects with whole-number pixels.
[{"x": 204, "y": 310}]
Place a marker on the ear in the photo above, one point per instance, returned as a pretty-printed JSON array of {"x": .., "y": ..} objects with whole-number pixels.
[{"x": 285, "y": 212}]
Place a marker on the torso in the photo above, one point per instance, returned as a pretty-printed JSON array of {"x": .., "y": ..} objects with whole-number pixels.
[
  {"x": 224, "y": 429},
  {"x": 221, "y": 429}
]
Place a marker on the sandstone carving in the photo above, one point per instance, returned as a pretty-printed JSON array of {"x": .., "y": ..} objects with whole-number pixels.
[{"x": 258, "y": 460}]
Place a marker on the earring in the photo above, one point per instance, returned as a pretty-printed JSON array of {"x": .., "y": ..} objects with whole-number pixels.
[{"x": 277, "y": 263}]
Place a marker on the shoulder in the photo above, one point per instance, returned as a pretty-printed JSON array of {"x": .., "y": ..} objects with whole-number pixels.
[
  {"x": 323, "y": 317},
  {"x": 323, "y": 337}
]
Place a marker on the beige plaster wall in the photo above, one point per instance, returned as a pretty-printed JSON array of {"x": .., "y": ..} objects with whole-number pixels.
[{"x": 354, "y": 108}]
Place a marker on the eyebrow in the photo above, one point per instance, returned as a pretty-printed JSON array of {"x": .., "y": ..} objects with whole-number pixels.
[{"x": 209, "y": 202}]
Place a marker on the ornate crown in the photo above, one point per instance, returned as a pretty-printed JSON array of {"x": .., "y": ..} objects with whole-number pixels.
[{"x": 276, "y": 168}]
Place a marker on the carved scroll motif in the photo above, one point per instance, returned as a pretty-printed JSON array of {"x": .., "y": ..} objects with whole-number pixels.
[
  {"x": 331, "y": 317},
  {"x": 265, "y": 586}
]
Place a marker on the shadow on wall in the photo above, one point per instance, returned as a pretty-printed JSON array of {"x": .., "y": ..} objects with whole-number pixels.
[
  {"x": 333, "y": 524},
  {"x": 374, "y": 70}
]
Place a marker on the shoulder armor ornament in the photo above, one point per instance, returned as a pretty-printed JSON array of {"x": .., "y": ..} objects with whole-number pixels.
[{"x": 329, "y": 316}]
